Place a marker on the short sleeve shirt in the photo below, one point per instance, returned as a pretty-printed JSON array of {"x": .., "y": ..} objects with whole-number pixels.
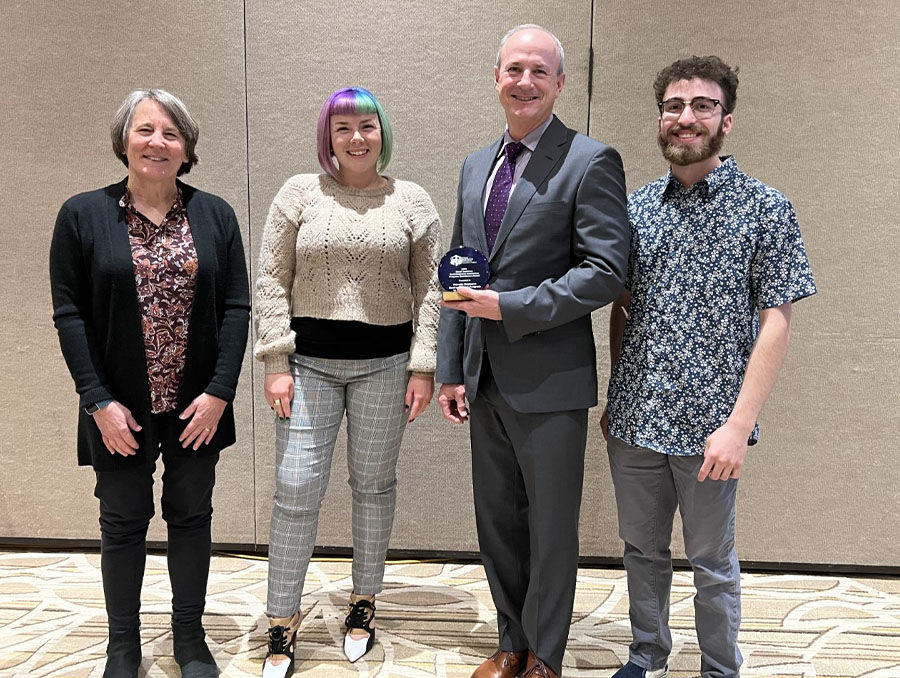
[{"x": 704, "y": 261}]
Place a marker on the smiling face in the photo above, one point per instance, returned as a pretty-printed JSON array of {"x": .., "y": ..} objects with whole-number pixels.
[
  {"x": 356, "y": 143},
  {"x": 685, "y": 140},
  {"x": 527, "y": 80},
  {"x": 154, "y": 147}
]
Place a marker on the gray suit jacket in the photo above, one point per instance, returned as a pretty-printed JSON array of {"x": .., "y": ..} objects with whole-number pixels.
[{"x": 562, "y": 252}]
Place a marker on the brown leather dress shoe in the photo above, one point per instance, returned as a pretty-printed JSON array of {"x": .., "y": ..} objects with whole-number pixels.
[
  {"x": 501, "y": 664},
  {"x": 536, "y": 668}
]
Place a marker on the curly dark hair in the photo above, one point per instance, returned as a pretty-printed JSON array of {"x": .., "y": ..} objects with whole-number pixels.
[{"x": 710, "y": 68}]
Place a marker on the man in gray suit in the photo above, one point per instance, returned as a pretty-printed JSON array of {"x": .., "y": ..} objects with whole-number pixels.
[{"x": 547, "y": 206}]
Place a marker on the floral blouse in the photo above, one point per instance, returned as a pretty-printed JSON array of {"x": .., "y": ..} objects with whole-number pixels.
[{"x": 165, "y": 271}]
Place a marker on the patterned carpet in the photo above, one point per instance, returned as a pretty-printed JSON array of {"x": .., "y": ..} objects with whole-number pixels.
[{"x": 435, "y": 619}]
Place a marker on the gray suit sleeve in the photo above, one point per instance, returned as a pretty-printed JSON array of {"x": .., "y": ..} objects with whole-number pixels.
[
  {"x": 452, "y": 327},
  {"x": 601, "y": 242}
]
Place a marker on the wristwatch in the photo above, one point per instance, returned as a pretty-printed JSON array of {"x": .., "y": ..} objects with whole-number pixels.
[{"x": 93, "y": 408}]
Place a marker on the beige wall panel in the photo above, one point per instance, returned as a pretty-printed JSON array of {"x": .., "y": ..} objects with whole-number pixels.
[
  {"x": 65, "y": 69},
  {"x": 816, "y": 118},
  {"x": 432, "y": 69}
]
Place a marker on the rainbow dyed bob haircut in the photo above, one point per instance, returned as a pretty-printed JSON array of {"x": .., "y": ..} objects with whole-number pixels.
[{"x": 351, "y": 101}]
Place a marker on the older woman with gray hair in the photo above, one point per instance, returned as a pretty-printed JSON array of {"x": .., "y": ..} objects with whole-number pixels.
[{"x": 152, "y": 307}]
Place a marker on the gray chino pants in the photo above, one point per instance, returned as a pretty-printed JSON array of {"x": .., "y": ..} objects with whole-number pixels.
[{"x": 649, "y": 486}]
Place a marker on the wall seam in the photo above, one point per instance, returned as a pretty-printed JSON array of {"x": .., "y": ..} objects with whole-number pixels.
[
  {"x": 590, "y": 75},
  {"x": 250, "y": 275}
]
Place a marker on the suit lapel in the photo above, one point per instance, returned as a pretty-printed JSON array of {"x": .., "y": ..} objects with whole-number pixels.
[
  {"x": 480, "y": 174},
  {"x": 543, "y": 160}
]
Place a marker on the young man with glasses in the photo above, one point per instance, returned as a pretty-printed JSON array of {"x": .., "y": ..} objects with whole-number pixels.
[{"x": 696, "y": 343}]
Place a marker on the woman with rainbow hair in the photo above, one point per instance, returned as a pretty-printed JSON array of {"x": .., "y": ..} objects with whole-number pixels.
[{"x": 347, "y": 305}]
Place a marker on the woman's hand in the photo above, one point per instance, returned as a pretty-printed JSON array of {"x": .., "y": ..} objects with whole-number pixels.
[
  {"x": 419, "y": 391},
  {"x": 279, "y": 389},
  {"x": 116, "y": 424},
  {"x": 205, "y": 412}
]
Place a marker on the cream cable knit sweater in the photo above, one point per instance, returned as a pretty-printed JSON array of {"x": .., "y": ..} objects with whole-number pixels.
[{"x": 342, "y": 253}]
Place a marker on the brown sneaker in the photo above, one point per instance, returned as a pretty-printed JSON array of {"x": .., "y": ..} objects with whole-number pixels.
[
  {"x": 501, "y": 664},
  {"x": 536, "y": 668}
]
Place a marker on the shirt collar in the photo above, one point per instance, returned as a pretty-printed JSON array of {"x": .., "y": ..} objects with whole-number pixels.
[
  {"x": 708, "y": 184},
  {"x": 127, "y": 201},
  {"x": 530, "y": 140}
]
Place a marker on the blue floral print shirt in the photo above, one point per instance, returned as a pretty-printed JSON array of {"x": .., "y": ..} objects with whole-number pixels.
[{"x": 703, "y": 262}]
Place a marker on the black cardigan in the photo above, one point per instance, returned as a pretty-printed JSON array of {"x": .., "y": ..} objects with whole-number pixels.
[{"x": 97, "y": 316}]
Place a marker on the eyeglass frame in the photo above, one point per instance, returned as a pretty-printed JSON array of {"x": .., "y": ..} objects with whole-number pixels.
[{"x": 689, "y": 104}]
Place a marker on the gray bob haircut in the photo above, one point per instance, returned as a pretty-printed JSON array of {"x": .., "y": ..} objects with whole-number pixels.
[
  {"x": 176, "y": 110},
  {"x": 525, "y": 27}
]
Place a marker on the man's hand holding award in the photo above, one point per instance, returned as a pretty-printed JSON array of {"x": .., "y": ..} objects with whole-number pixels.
[{"x": 467, "y": 269}]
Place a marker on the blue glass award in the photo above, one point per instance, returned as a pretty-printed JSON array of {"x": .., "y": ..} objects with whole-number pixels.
[{"x": 463, "y": 267}]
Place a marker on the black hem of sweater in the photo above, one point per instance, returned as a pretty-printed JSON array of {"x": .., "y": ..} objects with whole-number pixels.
[{"x": 349, "y": 339}]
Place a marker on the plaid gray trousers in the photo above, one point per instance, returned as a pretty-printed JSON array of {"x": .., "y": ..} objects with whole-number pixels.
[{"x": 372, "y": 392}]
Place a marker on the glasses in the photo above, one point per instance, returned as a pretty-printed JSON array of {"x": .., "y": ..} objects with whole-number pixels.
[{"x": 703, "y": 107}]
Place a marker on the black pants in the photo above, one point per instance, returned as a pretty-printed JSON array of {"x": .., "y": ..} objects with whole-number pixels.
[{"x": 126, "y": 507}]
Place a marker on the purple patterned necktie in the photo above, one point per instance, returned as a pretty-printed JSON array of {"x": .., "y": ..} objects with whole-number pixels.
[{"x": 499, "y": 197}]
